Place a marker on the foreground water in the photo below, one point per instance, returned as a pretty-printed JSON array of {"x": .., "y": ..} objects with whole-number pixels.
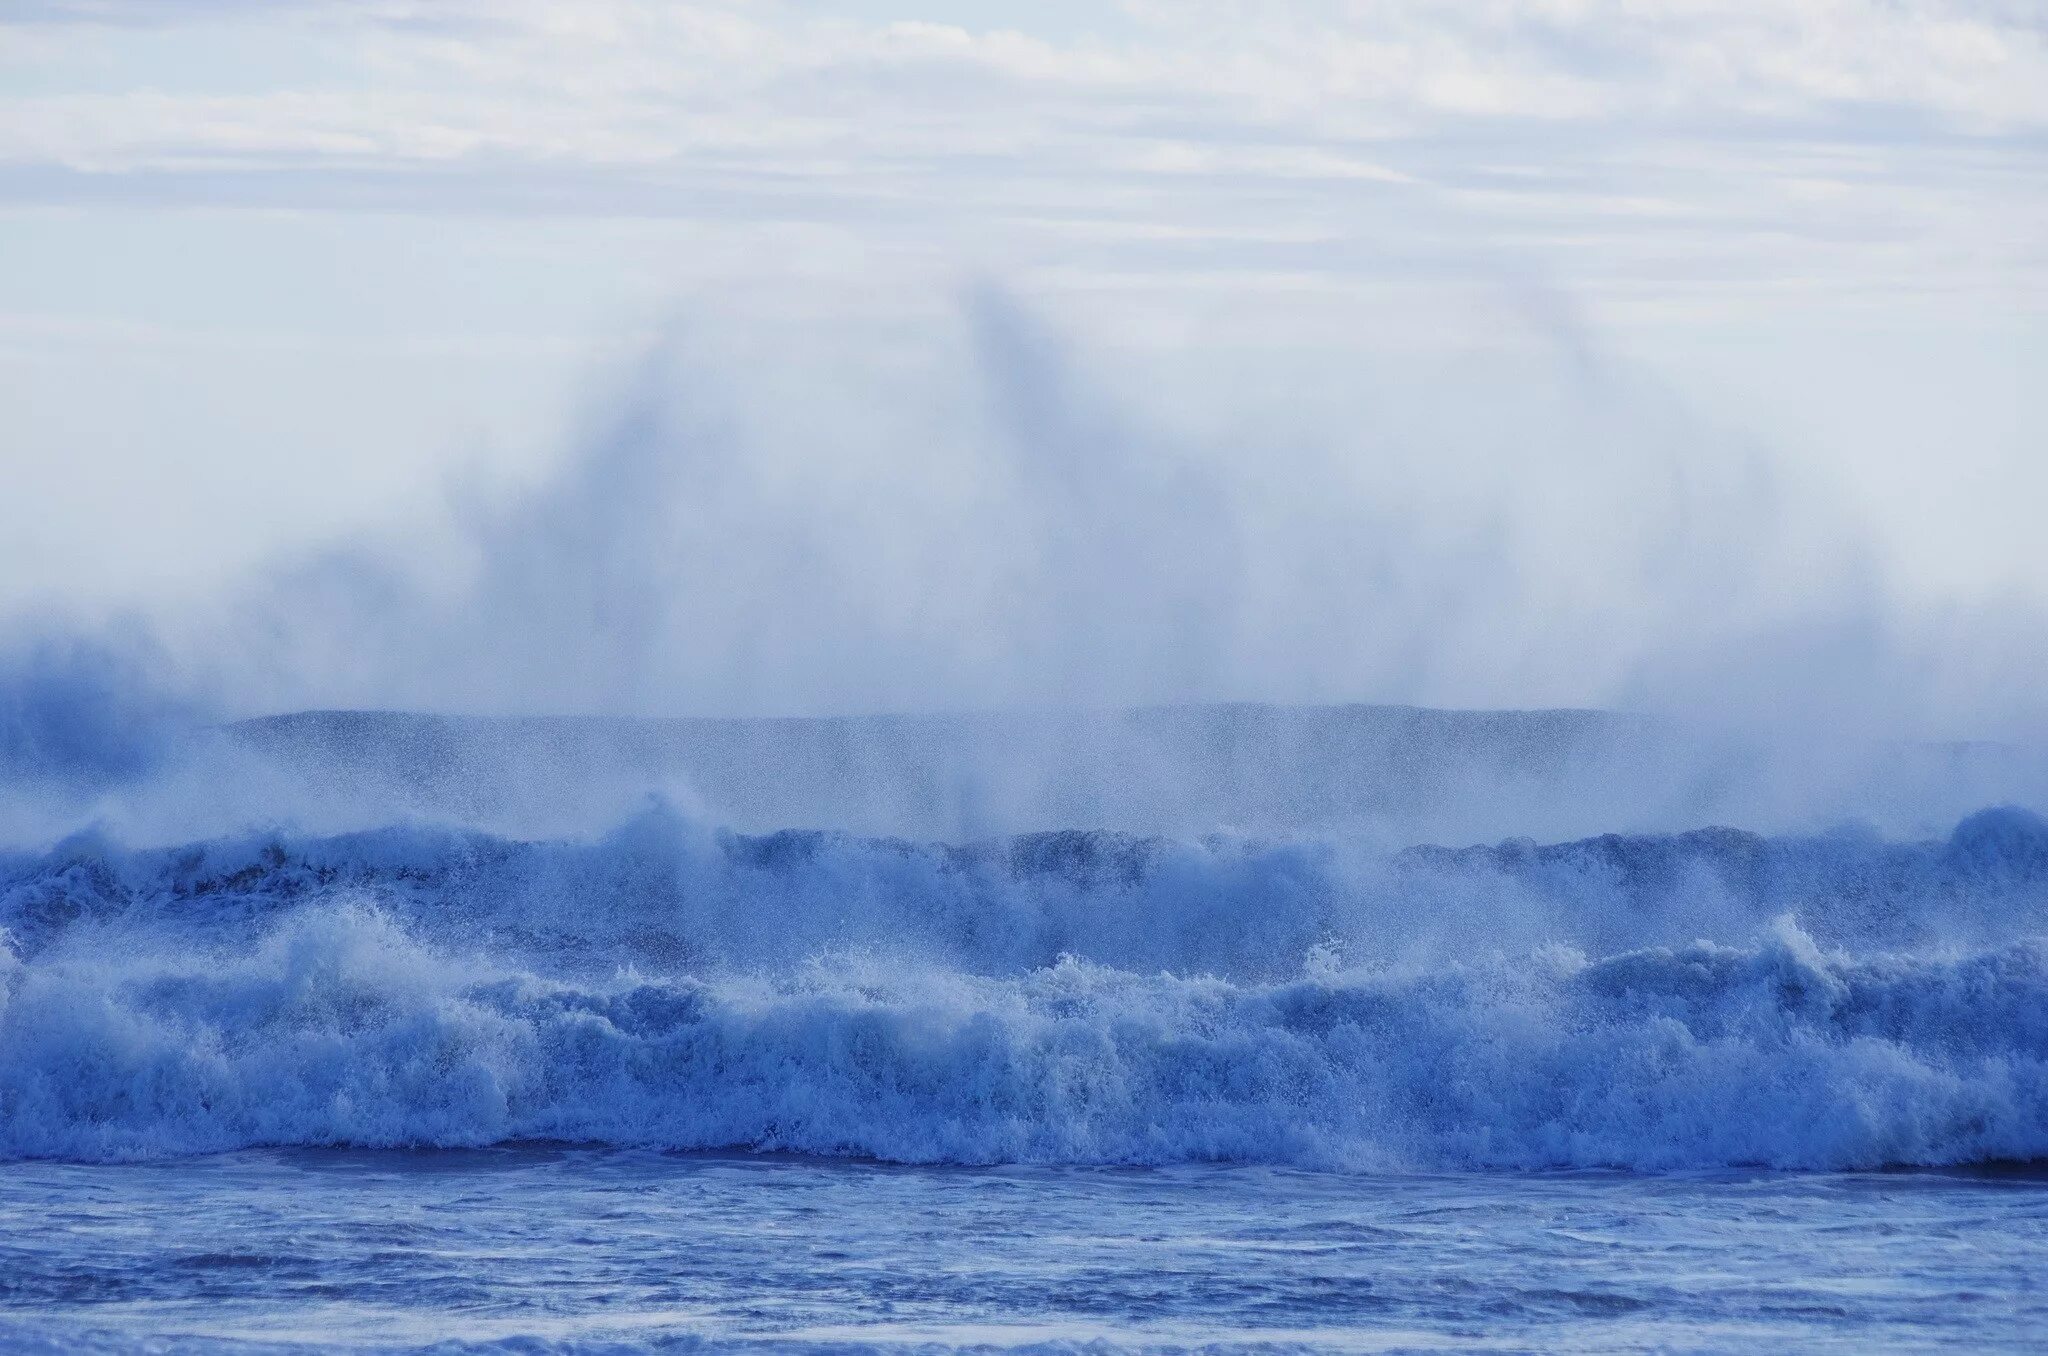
[{"x": 537, "y": 1248}]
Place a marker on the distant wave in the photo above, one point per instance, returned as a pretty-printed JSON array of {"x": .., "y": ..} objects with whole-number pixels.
[{"x": 1661, "y": 1001}]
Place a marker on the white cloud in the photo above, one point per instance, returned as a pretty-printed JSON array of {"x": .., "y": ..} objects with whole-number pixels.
[
  {"x": 589, "y": 79},
  {"x": 1597, "y": 141}
]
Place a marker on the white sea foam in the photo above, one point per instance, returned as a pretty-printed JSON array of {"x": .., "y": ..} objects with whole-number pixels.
[{"x": 1656, "y": 1002}]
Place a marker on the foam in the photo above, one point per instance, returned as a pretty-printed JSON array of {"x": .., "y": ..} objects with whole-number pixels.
[{"x": 1654, "y": 1003}]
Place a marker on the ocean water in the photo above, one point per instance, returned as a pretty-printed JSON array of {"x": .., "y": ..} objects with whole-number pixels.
[
  {"x": 662, "y": 1082},
  {"x": 538, "y": 1248}
]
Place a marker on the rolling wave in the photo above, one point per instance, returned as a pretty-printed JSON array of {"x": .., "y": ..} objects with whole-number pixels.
[{"x": 1652, "y": 1002}]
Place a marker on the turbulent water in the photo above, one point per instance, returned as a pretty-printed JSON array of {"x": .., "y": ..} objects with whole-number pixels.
[
  {"x": 1308, "y": 1031},
  {"x": 1700, "y": 1000}
]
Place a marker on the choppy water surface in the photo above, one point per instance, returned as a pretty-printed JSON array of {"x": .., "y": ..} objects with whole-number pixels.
[
  {"x": 528, "y": 1248},
  {"x": 1635, "y": 1091},
  {"x": 1688, "y": 1002}
]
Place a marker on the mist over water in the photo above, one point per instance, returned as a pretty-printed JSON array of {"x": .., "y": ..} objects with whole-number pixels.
[
  {"x": 957, "y": 742},
  {"x": 967, "y": 508},
  {"x": 982, "y": 513}
]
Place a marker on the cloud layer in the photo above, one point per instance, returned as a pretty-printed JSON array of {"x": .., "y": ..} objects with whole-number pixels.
[{"x": 1625, "y": 144}]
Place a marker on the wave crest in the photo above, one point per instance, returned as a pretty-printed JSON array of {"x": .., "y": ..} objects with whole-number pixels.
[{"x": 1062, "y": 998}]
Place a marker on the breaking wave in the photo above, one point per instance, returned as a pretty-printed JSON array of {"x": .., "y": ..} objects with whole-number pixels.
[{"x": 1652, "y": 1002}]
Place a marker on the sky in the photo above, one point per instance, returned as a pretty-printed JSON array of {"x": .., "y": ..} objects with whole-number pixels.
[{"x": 1587, "y": 317}]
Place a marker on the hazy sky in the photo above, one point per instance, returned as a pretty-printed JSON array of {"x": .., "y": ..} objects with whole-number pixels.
[{"x": 272, "y": 272}]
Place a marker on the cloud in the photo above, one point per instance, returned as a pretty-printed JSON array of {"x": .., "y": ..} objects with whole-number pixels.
[
  {"x": 1607, "y": 142},
  {"x": 615, "y": 81}
]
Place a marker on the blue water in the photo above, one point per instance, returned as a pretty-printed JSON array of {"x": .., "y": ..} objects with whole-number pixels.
[
  {"x": 1702, "y": 1089},
  {"x": 1669, "y": 1002},
  {"x": 588, "y": 1249}
]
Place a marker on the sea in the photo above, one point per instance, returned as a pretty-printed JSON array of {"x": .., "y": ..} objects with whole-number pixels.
[
  {"x": 534, "y": 1248},
  {"x": 433, "y": 1080}
]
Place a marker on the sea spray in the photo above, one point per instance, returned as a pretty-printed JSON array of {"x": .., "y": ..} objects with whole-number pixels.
[{"x": 1081, "y": 998}]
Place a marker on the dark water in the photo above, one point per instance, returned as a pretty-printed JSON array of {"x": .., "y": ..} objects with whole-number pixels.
[{"x": 572, "y": 1249}]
